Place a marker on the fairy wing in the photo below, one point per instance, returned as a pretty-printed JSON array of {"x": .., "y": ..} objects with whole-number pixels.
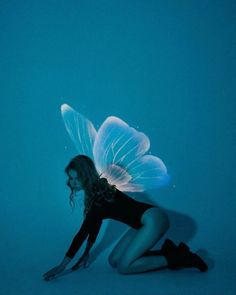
[
  {"x": 120, "y": 155},
  {"x": 80, "y": 129},
  {"x": 118, "y": 150}
]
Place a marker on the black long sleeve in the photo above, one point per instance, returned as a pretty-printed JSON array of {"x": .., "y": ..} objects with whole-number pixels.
[{"x": 89, "y": 228}]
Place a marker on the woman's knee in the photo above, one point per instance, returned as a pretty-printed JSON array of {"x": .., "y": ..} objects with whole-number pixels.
[
  {"x": 122, "y": 267},
  {"x": 112, "y": 261},
  {"x": 120, "y": 264}
]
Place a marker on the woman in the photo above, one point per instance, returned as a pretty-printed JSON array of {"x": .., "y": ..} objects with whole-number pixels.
[{"x": 147, "y": 223}]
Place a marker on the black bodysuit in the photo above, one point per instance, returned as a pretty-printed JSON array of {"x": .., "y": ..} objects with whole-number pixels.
[{"x": 123, "y": 208}]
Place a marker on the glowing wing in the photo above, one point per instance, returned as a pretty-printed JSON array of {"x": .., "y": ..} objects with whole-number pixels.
[
  {"x": 119, "y": 154},
  {"x": 80, "y": 129}
]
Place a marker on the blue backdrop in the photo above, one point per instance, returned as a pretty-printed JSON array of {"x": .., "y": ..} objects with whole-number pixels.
[{"x": 166, "y": 68}]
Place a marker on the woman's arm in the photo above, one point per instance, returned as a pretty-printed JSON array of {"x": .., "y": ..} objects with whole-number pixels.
[
  {"x": 83, "y": 260},
  {"x": 93, "y": 233},
  {"x": 66, "y": 260},
  {"x": 79, "y": 238},
  {"x": 75, "y": 245},
  {"x": 88, "y": 247},
  {"x": 57, "y": 269},
  {"x": 90, "y": 227}
]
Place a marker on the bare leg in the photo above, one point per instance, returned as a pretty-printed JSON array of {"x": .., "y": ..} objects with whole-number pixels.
[
  {"x": 155, "y": 224},
  {"x": 121, "y": 246}
]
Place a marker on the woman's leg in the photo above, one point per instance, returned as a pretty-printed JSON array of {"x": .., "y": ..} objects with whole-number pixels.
[
  {"x": 121, "y": 246},
  {"x": 155, "y": 224}
]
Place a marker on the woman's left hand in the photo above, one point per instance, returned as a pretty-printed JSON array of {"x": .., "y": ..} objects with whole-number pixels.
[
  {"x": 53, "y": 272},
  {"x": 83, "y": 261}
]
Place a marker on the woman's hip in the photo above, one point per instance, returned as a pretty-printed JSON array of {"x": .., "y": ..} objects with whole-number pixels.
[{"x": 155, "y": 216}]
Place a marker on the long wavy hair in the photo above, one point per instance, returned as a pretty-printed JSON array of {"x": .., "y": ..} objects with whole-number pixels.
[{"x": 95, "y": 188}]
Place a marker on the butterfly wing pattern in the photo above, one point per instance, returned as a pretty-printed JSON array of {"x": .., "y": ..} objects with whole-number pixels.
[
  {"x": 118, "y": 150},
  {"x": 120, "y": 155},
  {"x": 80, "y": 129}
]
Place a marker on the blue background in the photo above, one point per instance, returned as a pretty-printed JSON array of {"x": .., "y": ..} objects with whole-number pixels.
[{"x": 166, "y": 68}]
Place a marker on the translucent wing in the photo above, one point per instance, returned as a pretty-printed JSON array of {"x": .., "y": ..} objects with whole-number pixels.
[
  {"x": 118, "y": 150},
  {"x": 80, "y": 129},
  {"x": 119, "y": 154}
]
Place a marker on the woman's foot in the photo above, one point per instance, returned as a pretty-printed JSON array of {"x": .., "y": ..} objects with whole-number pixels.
[
  {"x": 192, "y": 259},
  {"x": 181, "y": 257}
]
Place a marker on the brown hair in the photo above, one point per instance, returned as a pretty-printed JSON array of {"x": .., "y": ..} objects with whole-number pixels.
[{"x": 95, "y": 188}]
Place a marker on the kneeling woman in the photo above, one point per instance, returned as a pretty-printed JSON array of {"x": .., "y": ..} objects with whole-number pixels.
[{"x": 147, "y": 224}]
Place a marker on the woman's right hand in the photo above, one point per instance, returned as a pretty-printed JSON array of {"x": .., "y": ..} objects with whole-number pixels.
[
  {"x": 82, "y": 261},
  {"x": 54, "y": 271}
]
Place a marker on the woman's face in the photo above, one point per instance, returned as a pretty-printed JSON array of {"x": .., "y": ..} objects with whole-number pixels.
[{"x": 74, "y": 180}]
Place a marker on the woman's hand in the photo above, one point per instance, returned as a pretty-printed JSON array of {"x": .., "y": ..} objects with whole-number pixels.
[
  {"x": 82, "y": 261},
  {"x": 54, "y": 271}
]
